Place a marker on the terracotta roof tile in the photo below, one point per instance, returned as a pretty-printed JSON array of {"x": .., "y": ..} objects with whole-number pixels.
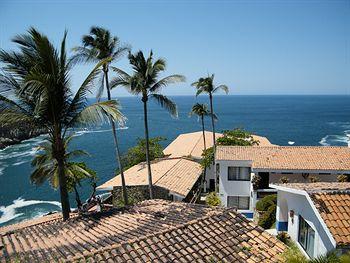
[
  {"x": 191, "y": 144},
  {"x": 332, "y": 201},
  {"x": 332, "y": 207},
  {"x": 118, "y": 236},
  {"x": 324, "y": 158},
  {"x": 178, "y": 175}
]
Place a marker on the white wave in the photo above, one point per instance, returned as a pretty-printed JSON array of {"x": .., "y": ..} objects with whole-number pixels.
[
  {"x": 82, "y": 132},
  {"x": 19, "y": 154},
  {"x": 290, "y": 142},
  {"x": 9, "y": 212},
  {"x": 19, "y": 163},
  {"x": 323, "y": 141},
  {"x": 334, "y": 139},
  {"x": 341, "y": 124}
]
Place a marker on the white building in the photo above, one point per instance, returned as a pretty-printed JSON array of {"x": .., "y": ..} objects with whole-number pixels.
[
  {"x": 245, "y": 172},
  {"x": 316, "y": 216},
  {"x": 192, "y": 145}
]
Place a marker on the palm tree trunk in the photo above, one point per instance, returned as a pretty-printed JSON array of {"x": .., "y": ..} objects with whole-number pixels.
[
  {"x": 212, "y": 120},
  {"x": 150, "y": 186},
  {"x": 59, "y": 155},
  {"x": 117, "y": 151},
  {"x": 77, "y": 197},
  {"x": 205, "y": 145},
  {"x": 205, "y": 148},
  {"x": 214, "y": 141}
]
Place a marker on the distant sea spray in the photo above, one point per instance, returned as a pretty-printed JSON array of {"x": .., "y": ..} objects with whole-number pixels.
[{"x": 337, "y": 139}]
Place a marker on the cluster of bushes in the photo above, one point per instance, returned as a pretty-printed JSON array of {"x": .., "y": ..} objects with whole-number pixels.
[
  {"x": 137, "y": 154},
  {"x": 294, "y": 255},
  {"x": 267, "y": 211},
  {"x": 235, "y": 137},
  {"x": 213, "y": 199}
]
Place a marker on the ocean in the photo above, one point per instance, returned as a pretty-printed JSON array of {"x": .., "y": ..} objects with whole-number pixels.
[{"x": 302, "y": 120}]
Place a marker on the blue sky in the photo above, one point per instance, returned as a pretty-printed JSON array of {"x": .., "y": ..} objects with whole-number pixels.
[{"x": 255, "y": 47}]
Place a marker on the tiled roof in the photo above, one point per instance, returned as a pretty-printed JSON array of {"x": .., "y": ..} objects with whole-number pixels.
[
  {"x": 334, "y": 208},
  {"x": 178, "y": 175},
  {"x": 154, "y": 231},
  {"x": 332, "y": 201},
  {"x": 289, "y": 157},
  {"x": 318, "y": 187},
  {"x": 191, "y": 144}
]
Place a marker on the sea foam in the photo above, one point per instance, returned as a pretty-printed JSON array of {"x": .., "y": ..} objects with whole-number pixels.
[{"x": 9, "y": 212}]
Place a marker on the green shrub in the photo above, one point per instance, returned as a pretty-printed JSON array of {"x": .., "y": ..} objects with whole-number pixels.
[
  {"x": 284, "y": 237},
  {"x": 268, "y": 218},
  {"x": 213, "y": 199},
  {"x": 342, "y": 178},
  {"x": 314, "y": 179},
  {"x": 293, "y": 255},
  {"x": 266, "y": 202},
  {"x": 284, "y": 180}
]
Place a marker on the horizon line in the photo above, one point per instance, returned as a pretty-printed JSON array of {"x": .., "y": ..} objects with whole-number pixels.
[{"x": 224, "y": 95}]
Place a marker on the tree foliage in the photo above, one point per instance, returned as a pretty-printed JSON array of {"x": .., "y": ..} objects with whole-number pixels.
[
  {"x": 267, "y": 208},
  {"x": 146, "y": 81},
  {"x": 236, "y": 137},
  {"x": 207, "y": 157},
  {"x": 35, "y": 88},
  {"x": 98, "y": 46},
  {"x": 137, "y": 154},
  {"x": 213, "y": 199}
]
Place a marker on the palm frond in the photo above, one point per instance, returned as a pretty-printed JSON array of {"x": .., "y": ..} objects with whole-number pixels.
[
  {"x": 199, "y": 91},
  {"x": 84, "y": 55},
  {"x": 221, "y": 87},
  {"x": 79, "y": 101},
  {"x": 121, "y": 52},
  {"x": 166, "y": 103},
  {"x": 100, "y": 87},
  {"x": 76, "y": 153},
  {"x": 11, "y": 117},
  {"x": 166, "y": 81},
  {"x": 98, "y": 113}
]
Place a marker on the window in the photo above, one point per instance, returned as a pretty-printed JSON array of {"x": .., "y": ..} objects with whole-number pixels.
[
  {"x": 239, "y": 174},
  {"x": 306, "y": 237},
  {"x": 240, "y": 202}
]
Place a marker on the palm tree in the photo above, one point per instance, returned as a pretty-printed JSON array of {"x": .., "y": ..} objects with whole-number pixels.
[
  {"x": 201, "y": 110},
  {"x": 35, "y": 88},
  {"x": 206, "y": 85},
  {"x": 144, "y": 81},
  {"x": 46, "y": 168},
  {"x": 99, "y": 45}
]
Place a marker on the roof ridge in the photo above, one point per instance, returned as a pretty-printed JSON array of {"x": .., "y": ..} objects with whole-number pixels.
[
  {"x": 57, "y": 217},
  {"x": 213, "y": 213},
  {"x": 282, "y": 146},
  {"x": 29, "y": 223}
]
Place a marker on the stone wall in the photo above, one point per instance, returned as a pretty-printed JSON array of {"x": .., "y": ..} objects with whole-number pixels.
[{"x": 137, "y": 194}]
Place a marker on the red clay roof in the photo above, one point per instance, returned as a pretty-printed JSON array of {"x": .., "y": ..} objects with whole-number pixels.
[
  {"x": 289, "y": 157},
  {"x": 154, "y": 231},
  {"x": 332, "y": 200},
  {"x": 192, "y": 144},
  {"x": 334, "y": 208},
  {"x": 178, "y": 175}
]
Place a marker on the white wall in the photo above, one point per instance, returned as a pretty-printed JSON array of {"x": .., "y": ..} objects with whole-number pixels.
[
  {"x": 301, "y": 206},
  {"x": 233, "y": 188},
  {"x": 210, "y": 174}
]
